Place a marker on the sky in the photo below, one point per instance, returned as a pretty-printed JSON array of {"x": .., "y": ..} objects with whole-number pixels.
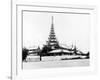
[{"x": 69, "y": 29}]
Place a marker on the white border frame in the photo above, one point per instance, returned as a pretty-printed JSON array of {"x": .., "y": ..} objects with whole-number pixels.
[{"x": 17, "y": 72}]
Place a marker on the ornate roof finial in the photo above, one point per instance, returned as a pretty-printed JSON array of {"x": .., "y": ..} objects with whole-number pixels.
[{"x": 52, "y": 19}]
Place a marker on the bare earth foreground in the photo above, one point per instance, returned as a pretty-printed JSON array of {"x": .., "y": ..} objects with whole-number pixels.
[{"x": 52, "y": 64}]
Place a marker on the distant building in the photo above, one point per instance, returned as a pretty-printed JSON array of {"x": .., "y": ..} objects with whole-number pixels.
[{"x": 35, "y": 51}]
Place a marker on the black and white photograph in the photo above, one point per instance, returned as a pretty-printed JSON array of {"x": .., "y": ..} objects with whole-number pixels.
[
  {"x": 52, "y": 40},
  {"x": 55, "y": 39}
]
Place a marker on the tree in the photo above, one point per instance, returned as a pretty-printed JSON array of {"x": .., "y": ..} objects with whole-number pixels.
[{"x": 24, "y": 53}]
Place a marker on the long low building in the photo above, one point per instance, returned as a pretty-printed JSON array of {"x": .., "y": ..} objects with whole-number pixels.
[{"x": 60, "y": 52}]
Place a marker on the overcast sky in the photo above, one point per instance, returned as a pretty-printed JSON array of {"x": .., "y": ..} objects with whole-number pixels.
[{"x": 69, "y": 28}]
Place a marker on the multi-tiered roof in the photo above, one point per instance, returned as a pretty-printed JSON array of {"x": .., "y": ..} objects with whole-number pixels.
[{"x": 52, "y": 41}]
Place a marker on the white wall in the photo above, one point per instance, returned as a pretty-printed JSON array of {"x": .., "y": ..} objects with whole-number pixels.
[{"x": 5, "y": 38}]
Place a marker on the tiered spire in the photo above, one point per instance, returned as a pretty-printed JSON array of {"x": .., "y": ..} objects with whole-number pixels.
[{"x": 52, "y": 41}]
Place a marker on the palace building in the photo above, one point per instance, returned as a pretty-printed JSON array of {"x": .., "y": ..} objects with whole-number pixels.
[{"x": 53, "y": 47}]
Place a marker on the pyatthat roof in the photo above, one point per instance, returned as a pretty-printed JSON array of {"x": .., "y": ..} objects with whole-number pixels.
[{"x": 60, "y": 50}]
